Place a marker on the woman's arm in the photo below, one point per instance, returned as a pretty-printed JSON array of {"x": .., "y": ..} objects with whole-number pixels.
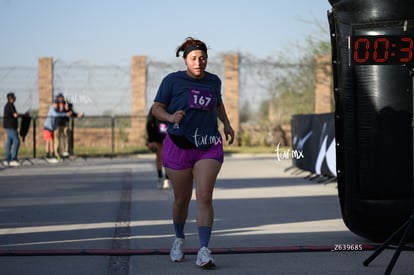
[
  {"x": 159, "y": 110},
  {"x": 228, "y": 130}
]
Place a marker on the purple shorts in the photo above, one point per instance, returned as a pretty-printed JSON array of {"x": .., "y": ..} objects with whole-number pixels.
[{"x": 178, "y": 159}]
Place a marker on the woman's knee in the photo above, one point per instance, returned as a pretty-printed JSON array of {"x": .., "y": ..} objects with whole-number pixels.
[
  {"x": 204, "y": 198},
  {"x": 182, "y": 201}
]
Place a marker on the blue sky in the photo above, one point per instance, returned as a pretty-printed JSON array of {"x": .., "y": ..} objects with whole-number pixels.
[{"x": 110, "y": 31}]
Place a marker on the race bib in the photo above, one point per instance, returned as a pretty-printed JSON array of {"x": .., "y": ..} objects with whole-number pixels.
[{"x": 201, "y": 100}]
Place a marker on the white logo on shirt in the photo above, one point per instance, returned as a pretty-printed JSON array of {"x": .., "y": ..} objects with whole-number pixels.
[{"x": 200, "y": 140}]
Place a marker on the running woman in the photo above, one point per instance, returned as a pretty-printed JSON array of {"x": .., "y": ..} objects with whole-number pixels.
[
  {"x": 190, "y": 101},
  {"x": 156, "y": 132}
]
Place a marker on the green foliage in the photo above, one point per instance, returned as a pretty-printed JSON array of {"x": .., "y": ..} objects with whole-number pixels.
[
  {"x": 245, "y": 113},
  {"x": 245, "y": 138},
  {"x": 293, "y": 92}
]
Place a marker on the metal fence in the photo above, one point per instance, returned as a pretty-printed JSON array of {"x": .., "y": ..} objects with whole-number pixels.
[
  {"x": 105, "y": 89},
  {"x": 88, "y": 136}
]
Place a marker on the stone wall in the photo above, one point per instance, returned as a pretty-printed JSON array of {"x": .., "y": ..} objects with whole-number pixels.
[
  {"x": 138, "y": 97},
  {"x": 323, "y": 93},
  {"x": 231, "y": 90}
]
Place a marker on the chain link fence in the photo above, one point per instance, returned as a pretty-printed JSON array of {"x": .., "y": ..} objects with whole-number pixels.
[{"x": 106, "y": 89}]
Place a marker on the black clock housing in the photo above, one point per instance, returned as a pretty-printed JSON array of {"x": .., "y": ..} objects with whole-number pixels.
[{"x": 371, "y": 59}]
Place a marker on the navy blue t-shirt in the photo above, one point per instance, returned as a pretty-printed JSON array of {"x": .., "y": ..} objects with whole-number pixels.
[{"x": 199, "y": 99}]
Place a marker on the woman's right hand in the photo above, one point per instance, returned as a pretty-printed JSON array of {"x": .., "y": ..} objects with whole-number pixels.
[{"x": 177, "y": 116}]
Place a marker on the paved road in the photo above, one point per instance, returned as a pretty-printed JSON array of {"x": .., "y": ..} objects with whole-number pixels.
[{"x": 267, "y": 221}]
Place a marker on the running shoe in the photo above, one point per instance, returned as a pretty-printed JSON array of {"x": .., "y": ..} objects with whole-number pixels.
[
  {"x": 166, "y": 184},
  {"x": 177, "y": 250},
  {"x": 14, "y": 163},
  {"x": 52, "y": 160},
  {"x": 204, "y": 258}
]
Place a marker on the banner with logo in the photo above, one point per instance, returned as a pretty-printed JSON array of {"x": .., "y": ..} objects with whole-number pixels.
[{"x": 314, "y": 136}]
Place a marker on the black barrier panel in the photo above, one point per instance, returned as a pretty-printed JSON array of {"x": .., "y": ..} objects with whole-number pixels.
[
  {"x": 373, "y": 111},
  {"x": 313, "y": 143},
  {"x": 302, "y": 131}
]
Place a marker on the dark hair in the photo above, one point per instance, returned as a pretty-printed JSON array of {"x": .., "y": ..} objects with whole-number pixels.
[
  {"x": 191, "y": 44},
  {"x": 10, "y": 95}
]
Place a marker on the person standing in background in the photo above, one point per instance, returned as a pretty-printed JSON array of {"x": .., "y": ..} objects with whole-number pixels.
[
  {"x": 49, "y": 128},
  {"x": 10, "y": 124},
  {"x": 62, "y": 132}
]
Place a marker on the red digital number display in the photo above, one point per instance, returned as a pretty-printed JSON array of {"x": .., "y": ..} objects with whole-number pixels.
[{"x": 385, "y": 50}]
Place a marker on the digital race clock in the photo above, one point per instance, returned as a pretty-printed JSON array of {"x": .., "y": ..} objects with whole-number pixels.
[{"x": 381, "y": 50}]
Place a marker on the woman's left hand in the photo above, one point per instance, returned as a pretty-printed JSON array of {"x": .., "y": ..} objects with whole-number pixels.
[{"x": 229, "y": 133}]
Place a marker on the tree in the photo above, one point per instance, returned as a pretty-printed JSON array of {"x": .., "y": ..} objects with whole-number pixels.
[
  {"x": 246, "y": 113},
  {"x": 293, "y": 92}
]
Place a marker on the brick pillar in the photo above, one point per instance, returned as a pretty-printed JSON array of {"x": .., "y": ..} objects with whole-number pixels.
[
  {"x": 45, "y": 84},
  {"x": 231, "y": 90},
  {"x": 323, "y": 96},
  {"x": 138, "y": 94},
  {"x": 45, "y": 94}
]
